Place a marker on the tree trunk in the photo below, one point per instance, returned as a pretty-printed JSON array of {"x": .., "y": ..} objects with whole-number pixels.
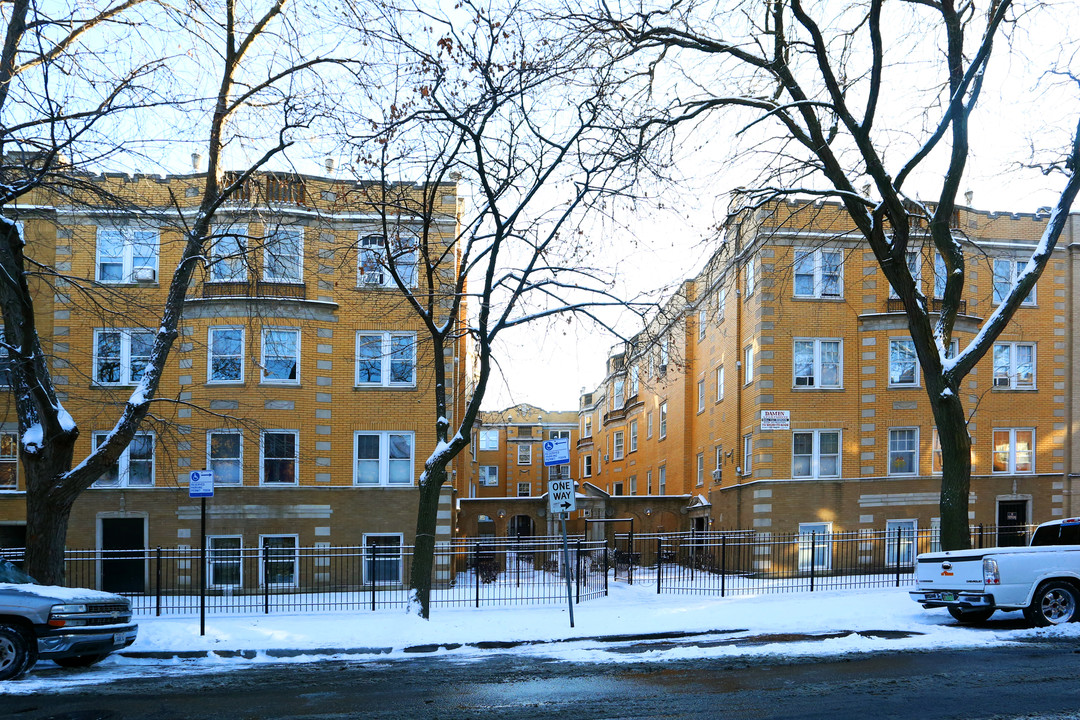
[
  {"x": 47, "y": 513},
  {"x": 956, "y": 470},
  {"x": 424, "y": 546}
]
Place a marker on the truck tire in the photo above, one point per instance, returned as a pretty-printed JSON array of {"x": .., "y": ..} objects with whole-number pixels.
[
  {"x": 1054, "y": 603},
  {"x": 971, "y": 617},
  {"x": 17, "y": 653}
]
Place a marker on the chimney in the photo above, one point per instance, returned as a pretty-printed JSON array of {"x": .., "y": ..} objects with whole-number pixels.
[
  {"x": 329, "y": 165},
  {"x": 196, "y": 158},
  {"x": 968, "y": 196}
]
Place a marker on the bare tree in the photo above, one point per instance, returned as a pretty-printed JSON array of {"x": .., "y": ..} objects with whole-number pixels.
[
  {"x": 75, "y": 89},
  {"x": 493, "y": 99},
  {"x": 828, "y": 90}
]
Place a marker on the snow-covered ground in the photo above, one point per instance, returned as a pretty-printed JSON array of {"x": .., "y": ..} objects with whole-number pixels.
[{"x": 741, "y": 626}]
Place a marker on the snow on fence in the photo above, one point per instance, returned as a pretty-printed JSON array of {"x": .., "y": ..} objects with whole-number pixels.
[{"x": 508, "y": 571}]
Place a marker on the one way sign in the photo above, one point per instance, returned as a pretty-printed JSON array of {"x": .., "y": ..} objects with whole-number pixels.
[{"x": 561, "y": 498}]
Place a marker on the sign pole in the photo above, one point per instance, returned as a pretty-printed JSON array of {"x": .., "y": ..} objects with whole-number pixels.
[
  {"x": 202, "y": 571},
  {"x": 566, "y": 568}
]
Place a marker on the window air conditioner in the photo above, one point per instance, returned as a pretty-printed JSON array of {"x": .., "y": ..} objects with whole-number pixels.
[
  {"x": 717, "y": 474},
  {"x": 1001, "y": 382},
  {"x": 145, "y": 274}
]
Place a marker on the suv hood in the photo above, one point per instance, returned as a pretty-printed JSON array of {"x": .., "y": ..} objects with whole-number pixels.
[{"x": 12, "y": 593}]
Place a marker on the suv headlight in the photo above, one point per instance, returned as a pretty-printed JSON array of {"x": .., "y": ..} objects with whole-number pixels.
[
  {"x": 64, "y": 609},
  {"x": 59, "y": 616}
]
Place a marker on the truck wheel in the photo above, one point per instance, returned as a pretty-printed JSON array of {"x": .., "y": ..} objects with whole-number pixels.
[
  {"x": 972, "y": 617},
  {"x": 1055, "y": 602},
  {"x": 16, "y": 655},
  {"x": 80, "y": 660}
]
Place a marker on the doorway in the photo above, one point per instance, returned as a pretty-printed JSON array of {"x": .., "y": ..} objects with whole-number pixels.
[
  {"x": 1012, "y": 523},
  {"x": 123, "y": 567}
]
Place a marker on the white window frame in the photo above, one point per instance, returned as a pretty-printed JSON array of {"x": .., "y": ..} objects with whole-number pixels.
[
  {"x": 264, "y": 562},
  {"x": 273, "y": 241},
  {"x": 387, "y": 357},
  {"x": 524, "y": 454},
  {"x": 809, "y": 536},
  {"x": 1011, "y": 379},
  {"x": 719, "y": 383},
  {"x": 663, "y": 420},
  {"x": 748, "y": 454},
  {"x": 372, "y": 266},
  {"x": 9, "y": 457},
  {"x": 586, "y": 465},
  {"x": 914, "y": 264},
  {"x": 211, "y": 462},
  {"x": 940, "y": 276},
  {"x": 1015, "y": 266},
  {"x": 936, "y": 459},
  {"x": 129, "y": 238},
  {"x": 815, "y": 381},
  {"x": 700, "y": 469},
  {"x": 211, "y": 551},
  {"x": 701, "y": 395},
  {"x": 895, "y": 451},
  {"x": 369, "y": 559},
  {"x": 263, "y": 459},
  {"x": 1013, "y": 453},
  {"x": 648, "y": 425},
  {"x": 748, "y": 365},
  {"x": 633, "y": 435},
  {"x": 661, "y": 480},
  {"x": 489, "y": 440},
  {"x": 227, "y": 254},
  {"x": 721, "y": 303},
  {"x": 618, "y": 393},
  {"x": 907, "y": 531},
  {"x": 384, "y": 458},
  {"x": 703, "y": 319},
  {"x": 123, "y": 463},
  {"x": 488, "y": 476},
  {"x": 527, "y": 487},
  {"x": 749, "y": 278},
  {"x": 816, "y": 455},
  {"x": 125, "y": 358},
  {"x": 817, "y": 273},
  {"x": 211, "y": 332},
  {"x": 895, "y": 343},
  {"x": 618, "y": 445},
  {"x": 635, "y": 383},
  {"x": 295, "y": 332}
]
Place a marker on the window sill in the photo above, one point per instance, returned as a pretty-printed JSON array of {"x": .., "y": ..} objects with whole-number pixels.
[
  {"x": 819, "y": 298},
  {"x": 271, "y": 383},
  {"x": 405, "y": 388},
  {"x": 1002, "y": 389},
  {"x": 400, "y": 486},
  {"x": 225, "y": 383},
  {"x": 903, "y": 387},
  {"x": 809, "y": 388}
]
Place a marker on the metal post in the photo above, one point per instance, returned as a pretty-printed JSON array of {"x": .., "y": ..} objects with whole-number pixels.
[
  {"x": 692, "y": 553},
  {"x": 371, "y": 574},
  {"x": 723, "y": 564},
  {"x": 630, "y": 556},
  {"x": 202, "y": 571},
  {"x": 897, "y": 557},
  {"x": 566, "y": 567},
  {"x": 606, "y": 568},
  {"x": 517, "y": 562},
  {"x": 476, "y": 563},
  {"x": 266, "y": 578},
  {"x": 577, "y": 567},
  {"x": 659, "y": 566},
  {"x": 157, "y": 575},
  {"x": 813, "y": 558}
]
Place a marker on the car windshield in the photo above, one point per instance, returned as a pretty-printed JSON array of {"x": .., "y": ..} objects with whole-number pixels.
[
  {"x": 1060, "y": 534},
  {"x": 11, "y": 574}
]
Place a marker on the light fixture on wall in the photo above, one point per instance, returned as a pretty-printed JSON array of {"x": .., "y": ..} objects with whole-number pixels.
[{"x": 502, "y": 513}]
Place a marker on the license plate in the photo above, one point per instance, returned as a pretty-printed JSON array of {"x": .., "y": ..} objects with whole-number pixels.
[
  {"x": 118, "y": 638},
  {"x": 948, "y": 597}
]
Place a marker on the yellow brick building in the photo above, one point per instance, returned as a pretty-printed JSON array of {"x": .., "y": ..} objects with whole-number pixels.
[
  {"x": 779, "y": 390},
  {"x": 300, "y": 376}
]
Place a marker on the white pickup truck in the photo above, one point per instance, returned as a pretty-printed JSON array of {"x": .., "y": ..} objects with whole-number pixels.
[{"x": 1042, "y": 579}]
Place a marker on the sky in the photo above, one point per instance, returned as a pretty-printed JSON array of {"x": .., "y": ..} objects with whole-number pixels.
[{"x": 729, "y": 624}]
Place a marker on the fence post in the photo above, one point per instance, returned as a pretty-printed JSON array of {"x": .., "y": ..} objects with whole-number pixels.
[
  {"x": 693, "y": 553},
  {"x": 517, "y": 561},
  {"x": 606, "y": 568},
  {"x": 157, "y": 580},
  {"x": 659, "y": 565},
  {"x": 577, "y": 575},
  {"x": 980, "y": 536},
  {"x": 476, "y": 569},
  {"x": 371, "y": 575},
  {"x": 723, "y": 564},
  {"x": 629, "y": 557},
  {"x": 813, "y": 558},
  {"x": 266, "y": 579},
  {"x": 897, "y": 557}
]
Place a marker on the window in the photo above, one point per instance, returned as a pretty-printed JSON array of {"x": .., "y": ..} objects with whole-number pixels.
[
  {"x": 815, "y": 546},
  {"x": 899, "y": 542},
  {"x": 281, "y": 356},
  {"x": 226, "y": 361},
  {"x": 1005, "y": 274},
  {"x": 617, "y": 488},
  {"x": 941, "y": 275},
  {"x": 524, "y": 454},
  {"x": 524, "y": 489},
  {"x": 384, "y": 458},
  {"x": 702, "y": 321},
  {"x": 818, "y": 364},
  {"x": 721, "y": 303},
  {"x": 634, "y": 382},
  {"x": 5, "y": 363},
  {"x": 748, "y": 364},
  {"x": 1014, "y": 450},
  {"x": 665, "y": 355},
  {"x": 718, "y": 460},
  {"x": 1014, "y": 365},
  {"x": 126, "y": 255},
  {"x": 648, "y": 425},
  {"x": 586, "y": 465},
  {"x": 817, "y": 273},
  {"x": 815, "y": 453},
  {"x": 587, "y": 431},
  {"x": 648, "y": 482},
  {"x": 223, "y": 554},
  {"x": 700, "y": 469},
  {"x": 663, "y": 420},
  {"x": 382, "y": 559},
  {"x": 134, "y": 467},
  {"x": 914, "y": 266},
  {"x": 385, "y": 359},
  {"x": 701, "y": 396},
  {"x": 720, "y": 383},
  {"x": 489, "y": 475},
  {"x": 598, "y": 465},
  {"x": 661, "y": 480},
  {"x": 618, "y": 393},
  {"x": 749, "y": 278},
  {"x": 747, "y": 454},
  {"x": 618, "y": 445},
  {"x": 903, "y": 364},
  {"x": 904, "y": 451},
  {"x": 120, "y": 356},
  {"x": 279, "y": 451},
  {"x": 489, "y": 439},
  {"x": 227, "y": 263},
  {"x": 373, "y": 267},
  {"x": 935, "y": 453},
  {"x": 283, "y": 255},
  {"x": 280, "y": 556},
  {"x": 633, "y": 435},
  {"x": 225, "y": 456},
  {"x": 9, "y": 460}
]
